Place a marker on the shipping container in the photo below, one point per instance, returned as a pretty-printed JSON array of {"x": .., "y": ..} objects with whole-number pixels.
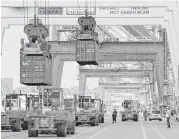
[
  {"x": 35, "y": 70},
  {"x": 87, "y": 52}
]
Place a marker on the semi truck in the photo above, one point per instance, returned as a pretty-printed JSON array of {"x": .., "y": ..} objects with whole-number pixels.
[
  {"x": 86, "y": 114},
  {"x": 14, "y": 115},
  {"x": 55, "y": 121},
  {"x": 130, "y": 110},
  {"x": 99, "y": 106}
]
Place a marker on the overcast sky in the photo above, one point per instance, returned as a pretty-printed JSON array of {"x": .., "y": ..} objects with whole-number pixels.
[{"x": 10, "y": 66}]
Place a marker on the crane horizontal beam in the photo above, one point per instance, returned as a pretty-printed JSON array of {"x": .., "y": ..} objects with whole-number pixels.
[
  {"x": 68, "y": 10},
  {"x": 124, "y": 84},
  {"x": 120, "y": 86},
  {"x": 122, "y": 51},
  {"x": 122, "y": 73}
]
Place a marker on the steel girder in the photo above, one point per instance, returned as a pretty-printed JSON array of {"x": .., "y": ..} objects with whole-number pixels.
[
  {"x": 123, "y": 51},
  {"x": 121, "y": 73}
]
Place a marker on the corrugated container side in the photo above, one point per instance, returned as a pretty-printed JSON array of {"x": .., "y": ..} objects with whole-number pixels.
[
  {"x": 35, "y": 70},
  {"x": 87, "y": 52}
]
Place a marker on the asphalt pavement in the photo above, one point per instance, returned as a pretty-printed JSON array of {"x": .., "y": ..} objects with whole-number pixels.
[{"x": 120, "y": 130}]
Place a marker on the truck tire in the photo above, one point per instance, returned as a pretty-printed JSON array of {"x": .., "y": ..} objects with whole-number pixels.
[
  {"x": 93, "y": 122},
  {"x": 63, "y": 129},
  {"x": 30, "y": 134},
  {"x": 73, "y": 128},
  {"x": 102, "y": 120},
  {"x": 18, "y": 126},
  {"x": 160, "y": 119},
  {"x": 35, "y": 133},
  {"x": 58, "y": 130},
  {"x": 25, "y": 126},
  {"x": 122, "y": 119},
  {"x": 77, "y": 124},
  {"x": 13, "y": 126},
  {"x": 97, "y": 121}
]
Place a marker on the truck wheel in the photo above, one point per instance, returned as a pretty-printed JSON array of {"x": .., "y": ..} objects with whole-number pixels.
[
  {"x": 30, "y": 134},
  {"x": 160, "y": 119},
  {"x": 93, "y": 122},
  {"x": 102, "y": 120},
  {"x": 97, "y": 121},
  {"x": 150, "y": 119},
  {"x": 76, "y": 124},
  {"x": 35, "y": 133},
  {"x": 17, "y": 126},
  {"x": 25, "y": 126},
  {"x": 73, "y": 128},
  {"x": 136, "y": 118},
  {"x": 13, "y": 126},
  {"x": 58, "y": 130},
  {"x": 63, "y": 129}
]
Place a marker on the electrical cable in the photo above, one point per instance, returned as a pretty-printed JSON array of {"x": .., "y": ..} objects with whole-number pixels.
[
  {"x": 35, "y": 18},
  {"x": 27, "y": 13},
  {"x": 24, "y": 11},
  {"x": 45, "y": 12},
  {"x": 48, "y": 19}
]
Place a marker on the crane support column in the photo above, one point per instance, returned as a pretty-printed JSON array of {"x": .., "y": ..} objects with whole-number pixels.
[
  {"x": 57, "y": 71},
  {"x": 160, "y": 71},
  {"x": 82, "y": 83},
  {"x": 172, "y": 38},
  {"x": 152, "y": 92}
]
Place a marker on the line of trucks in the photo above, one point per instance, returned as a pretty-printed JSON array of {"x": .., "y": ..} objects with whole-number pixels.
[{"x": 60, "y": 117}]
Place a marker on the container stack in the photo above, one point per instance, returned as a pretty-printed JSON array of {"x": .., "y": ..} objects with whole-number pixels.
[
  {"x": 87, "y": 52},
  {"x": 35, "y": 70}
]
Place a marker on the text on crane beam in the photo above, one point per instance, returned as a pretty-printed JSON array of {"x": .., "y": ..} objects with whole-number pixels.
[
  {"x": 80, "y": 11},
  {"x": 50, "y": 11},
  {"x": 124, "y": 10}
]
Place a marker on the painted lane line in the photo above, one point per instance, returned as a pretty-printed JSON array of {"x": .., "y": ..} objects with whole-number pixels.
[
  {"x": 82, "y": 133},
  {"x": 97, "y": 133},
  {"x": 143, "y": 131},
  {"x": 13, "y": 135},
  {"x": 159, "y": 134}
]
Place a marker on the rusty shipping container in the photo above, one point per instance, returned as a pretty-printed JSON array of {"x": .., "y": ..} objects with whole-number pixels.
[
  {"x": 87, "y": 52},
  {"x": 35, "y": 70}
]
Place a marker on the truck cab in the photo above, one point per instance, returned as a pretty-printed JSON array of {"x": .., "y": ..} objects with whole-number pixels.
[
  {"x": 86, "y": 113},
  {"x": 55, "y": 120},
  {"x": 15, "y": 112},
  {"x": 130, "y": 110},
  {"x": 99, "y": 106}
]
